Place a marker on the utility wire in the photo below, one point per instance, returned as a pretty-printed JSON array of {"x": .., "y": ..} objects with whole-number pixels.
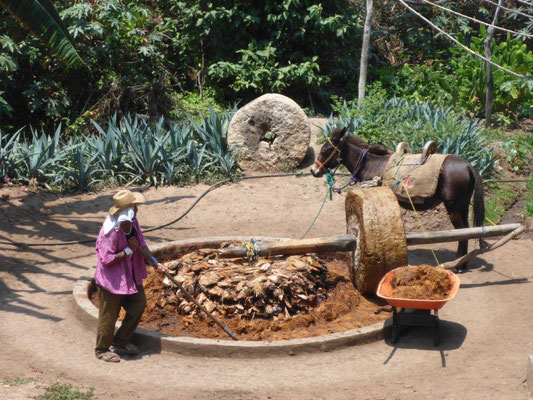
[
  {"x": 476, "y": 20},
  {"x": 462, "y": 45},
  {"x": 510, "y": 10},
  {"x": 525, "y": 2}
]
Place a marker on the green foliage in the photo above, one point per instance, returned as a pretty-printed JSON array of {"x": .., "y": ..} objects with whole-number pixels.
[
  {"x": 286, "y": 45},
  {"x": 395, "y": 120},
  {"x": 58, "y": 391},
  {"x": 519, "y": 151},
  {"x": 38, "y": 156},
  {"x": 191, "y": 104},
  {"x": 421, "y": 82},
  {"x": 529, "y": 199},
  {"x": 132, "y": 150},
  {"x": 17, "y": 382},
  {"x": 460, "y": 79},
  {"x": 513, "y": 97},
  {"x": 500, "y": 198},
  {"x": 259, "y": 71},
  {"x": 41, "y": 17}
]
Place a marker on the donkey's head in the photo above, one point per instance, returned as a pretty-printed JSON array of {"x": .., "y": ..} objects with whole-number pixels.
[{"x": 329, "y": 156}]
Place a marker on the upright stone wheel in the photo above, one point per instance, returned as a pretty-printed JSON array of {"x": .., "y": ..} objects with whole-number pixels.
[{"x": 373, "y": 216}]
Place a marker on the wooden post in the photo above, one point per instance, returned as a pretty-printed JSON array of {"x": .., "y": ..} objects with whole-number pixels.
[
  {"x": 489, "y": 97},
  {"x": 363, "y": 68}
]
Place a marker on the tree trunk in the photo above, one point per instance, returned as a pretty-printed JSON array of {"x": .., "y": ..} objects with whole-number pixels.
[
  {"x": 489, "y": 98},
  {"x": 365, "y": 50}
]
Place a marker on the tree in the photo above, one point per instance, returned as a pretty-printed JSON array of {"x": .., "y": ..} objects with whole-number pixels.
[
  {"x": 365, "y": 50},
  {"x": 489, "y": 99},
  {"x": 42, "y": 19}
]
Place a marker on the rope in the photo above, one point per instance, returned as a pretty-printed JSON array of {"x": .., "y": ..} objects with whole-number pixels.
[
  {"x": 330, "y": 179},
  {"x": 317, "y": 215},
  {"x": 418, "y": 220}
]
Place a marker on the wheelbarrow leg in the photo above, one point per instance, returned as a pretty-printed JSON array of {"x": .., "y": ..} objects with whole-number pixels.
[
  {"x": 436, "y": 334},
  {"x": 395, "y": 325}
]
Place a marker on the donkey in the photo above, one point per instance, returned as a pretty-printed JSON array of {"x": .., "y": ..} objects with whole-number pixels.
[{"x": 458, "y": 180}]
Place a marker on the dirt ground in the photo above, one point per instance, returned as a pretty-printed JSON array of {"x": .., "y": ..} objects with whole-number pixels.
[{"x": 486, "y": 329}]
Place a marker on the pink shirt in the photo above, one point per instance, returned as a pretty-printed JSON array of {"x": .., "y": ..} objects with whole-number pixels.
[{"x": 119, "y": 278}]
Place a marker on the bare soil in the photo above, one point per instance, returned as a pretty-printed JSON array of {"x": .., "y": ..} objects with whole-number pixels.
[{"x": 485, "y": 330}]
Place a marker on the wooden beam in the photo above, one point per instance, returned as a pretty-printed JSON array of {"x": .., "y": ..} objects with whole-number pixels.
[
  {"x": 454, "y": 235},
  {"x": 346, "y": 242}
]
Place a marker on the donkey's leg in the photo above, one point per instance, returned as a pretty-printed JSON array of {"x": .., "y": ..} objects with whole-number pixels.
[{"x": 459, "y": 220}]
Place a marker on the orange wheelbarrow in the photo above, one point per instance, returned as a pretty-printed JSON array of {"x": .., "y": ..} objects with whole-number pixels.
[{"x": 419, "y": 313}]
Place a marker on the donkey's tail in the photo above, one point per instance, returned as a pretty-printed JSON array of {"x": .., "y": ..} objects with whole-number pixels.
[{"x": 479, "y": 198}]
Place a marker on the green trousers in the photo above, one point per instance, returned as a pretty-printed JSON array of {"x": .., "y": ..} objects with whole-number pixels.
[{"x": 134, "y": 305}]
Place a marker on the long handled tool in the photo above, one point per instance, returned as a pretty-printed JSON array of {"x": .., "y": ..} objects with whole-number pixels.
[{"x": 153, "y": 262}]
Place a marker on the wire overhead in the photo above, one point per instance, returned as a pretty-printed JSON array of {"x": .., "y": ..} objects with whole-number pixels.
[
  {"x": 462, "y": 45},
  {"x": 510, "y": 9},
  {"x": 525, "y": 2},
  {"x": 476, "y": 20}
]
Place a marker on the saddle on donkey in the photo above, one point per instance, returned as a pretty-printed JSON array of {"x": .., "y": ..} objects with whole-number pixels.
[{"x": 413, "y": 176}]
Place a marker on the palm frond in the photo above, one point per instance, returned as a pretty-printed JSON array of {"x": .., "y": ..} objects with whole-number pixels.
[{"x": 42, "y": 19}]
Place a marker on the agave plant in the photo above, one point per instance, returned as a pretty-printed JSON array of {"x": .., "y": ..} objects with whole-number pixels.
[
  {"x": 195, "y": 159},
  {"x": 213, "y": 131},
  {"x": 145, "y": 146},
  {"x": 179, "y": 136},
  {"x": 40, "y": 154},
  {"x": 80, "y": 170},
  {"x": 110, "y": 150},
  {"x": 8, "y": 152}
]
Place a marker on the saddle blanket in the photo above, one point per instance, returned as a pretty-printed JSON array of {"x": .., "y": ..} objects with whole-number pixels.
[{"x": 408, "y": 177}]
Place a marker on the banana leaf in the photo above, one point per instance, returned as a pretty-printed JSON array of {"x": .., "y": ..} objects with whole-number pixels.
[{"x": 42, "y": 19}]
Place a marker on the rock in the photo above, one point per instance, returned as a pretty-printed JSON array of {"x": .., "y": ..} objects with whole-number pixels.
[{"x": 271, "y": 133}]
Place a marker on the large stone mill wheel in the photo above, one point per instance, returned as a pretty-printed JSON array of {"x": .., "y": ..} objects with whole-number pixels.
[
  {"x": 271, "y": 133},
  {"x": 373, "y": 216}
]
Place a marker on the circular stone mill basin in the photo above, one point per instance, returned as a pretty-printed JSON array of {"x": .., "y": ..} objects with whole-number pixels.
[{"x": 87, "y": 312}]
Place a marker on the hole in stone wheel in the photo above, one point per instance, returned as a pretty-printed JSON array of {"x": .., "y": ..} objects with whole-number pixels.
[{"x": 269, "y": 137}]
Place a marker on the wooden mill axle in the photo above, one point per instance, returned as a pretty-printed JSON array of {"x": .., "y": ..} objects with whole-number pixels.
[{"x": 347, "y": 242}]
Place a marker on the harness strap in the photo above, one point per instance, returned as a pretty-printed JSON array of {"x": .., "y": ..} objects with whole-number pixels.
[{"x": 322, "y": 166}]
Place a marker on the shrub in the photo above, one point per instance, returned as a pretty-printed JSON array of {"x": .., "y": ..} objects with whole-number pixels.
[{"x": 395, "y": 120}]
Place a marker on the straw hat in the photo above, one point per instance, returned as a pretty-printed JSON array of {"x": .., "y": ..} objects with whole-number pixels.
[{"x": 124, "y": 199}]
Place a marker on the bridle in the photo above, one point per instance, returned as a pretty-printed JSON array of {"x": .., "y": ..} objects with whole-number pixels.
[{"x": 336, "y": 150}]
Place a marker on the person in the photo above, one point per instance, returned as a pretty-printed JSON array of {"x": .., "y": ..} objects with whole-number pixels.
[{"x": 120, "y": 270}]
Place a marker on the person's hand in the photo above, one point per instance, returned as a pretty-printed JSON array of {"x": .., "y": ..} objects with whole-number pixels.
[
  {"x": 161, "y": 269},
  {"x": 133, "y": 243}
]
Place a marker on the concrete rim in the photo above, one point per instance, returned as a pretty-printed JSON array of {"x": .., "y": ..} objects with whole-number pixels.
[{"x": 88, "y": 314}]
